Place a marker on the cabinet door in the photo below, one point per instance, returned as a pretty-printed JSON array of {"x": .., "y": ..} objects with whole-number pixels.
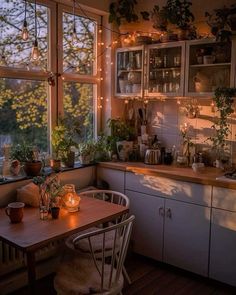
[
  {"x": 129, "y": 72},
  {"x": 223, "y": 246},
  {"x": 208, "y": 66},
  {"x": 147, "y": 235},
  {"x": 115, "y": 178},
  {"x": 186, "y": 236},
  {"x": 165, "y": 69}
]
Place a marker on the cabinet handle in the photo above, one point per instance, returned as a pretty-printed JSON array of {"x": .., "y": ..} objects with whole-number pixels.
[
  {"x": 161, "y": 211},
  {"x": 168, "y": 213}
]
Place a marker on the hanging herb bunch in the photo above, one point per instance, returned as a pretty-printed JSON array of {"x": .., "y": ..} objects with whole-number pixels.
[{"x": 223, "y": 99}]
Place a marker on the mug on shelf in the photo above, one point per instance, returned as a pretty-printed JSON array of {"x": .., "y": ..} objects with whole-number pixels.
[{"x": 15, "y": 211}]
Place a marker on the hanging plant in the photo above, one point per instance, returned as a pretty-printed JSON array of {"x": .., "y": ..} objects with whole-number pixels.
[
  {"x": 122, "y": 10},
  {"x": 222, "y": 22},
  {"x": 223, "y": 99}
]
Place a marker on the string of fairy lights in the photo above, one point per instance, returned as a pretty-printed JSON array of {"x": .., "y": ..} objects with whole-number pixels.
[
  {"x": 128, "y": 39},
  {"x": 35, "y": 52}
]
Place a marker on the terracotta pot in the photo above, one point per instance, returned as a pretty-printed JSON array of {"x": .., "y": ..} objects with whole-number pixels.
[
  {"x": 183, "y": 34},
  {"x": 55, "y": 165},
  {"x": 32, "y": 168}
]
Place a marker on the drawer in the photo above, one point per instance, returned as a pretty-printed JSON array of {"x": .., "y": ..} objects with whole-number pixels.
[
  {"x": 224, "y": 198},
  {"x": 169, "y": 188}
]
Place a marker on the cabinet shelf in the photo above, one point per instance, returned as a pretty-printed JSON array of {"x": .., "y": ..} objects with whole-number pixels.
[
  {"x": 164, "y": 69},
  {"x": 210, "y": 65},
  {"x": 127, "y": 71}
]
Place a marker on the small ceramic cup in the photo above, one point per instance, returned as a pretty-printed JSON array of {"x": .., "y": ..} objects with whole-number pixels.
[{"x": 15, "y": 211}]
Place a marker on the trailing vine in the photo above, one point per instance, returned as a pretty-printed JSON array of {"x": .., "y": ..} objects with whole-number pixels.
[{"x": 223, "y": 99}]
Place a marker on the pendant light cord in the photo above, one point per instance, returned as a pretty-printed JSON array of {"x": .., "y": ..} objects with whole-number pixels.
[
  {"x": 35, "y": 19},
  {"x": 25, "y": 8},
  {"x": 74, "y": 14}
]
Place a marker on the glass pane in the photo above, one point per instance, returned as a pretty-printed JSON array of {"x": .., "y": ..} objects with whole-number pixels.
[
  {"x": 129, "y": 72},
  {"x": 79, "y": 107},
  {"x": 79, "y": 49},
  {"x": 164, "y": 70},
  {"x": 209, "y": 67},
  {"x": 23, "y": 112},
  {"x": 14, "y": 51}
]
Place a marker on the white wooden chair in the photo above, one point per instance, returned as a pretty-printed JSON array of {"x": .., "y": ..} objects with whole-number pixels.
[
  {"x": 91, "y": 274},
  {"x": 108, "y": 196}
]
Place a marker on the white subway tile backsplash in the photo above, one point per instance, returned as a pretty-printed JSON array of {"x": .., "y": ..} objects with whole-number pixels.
[{"x": 166, "y": 117}]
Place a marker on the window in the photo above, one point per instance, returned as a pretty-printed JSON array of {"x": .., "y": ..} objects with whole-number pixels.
[
  {"x": 29, "y": 104},
  {"x": 78, "y": 105},
  {"x": 23, "y": 111}
]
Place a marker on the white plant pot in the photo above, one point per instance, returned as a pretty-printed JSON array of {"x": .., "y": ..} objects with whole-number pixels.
[
  {"x": 85, "y": 159},
  {"x": 123, "y": 149}
]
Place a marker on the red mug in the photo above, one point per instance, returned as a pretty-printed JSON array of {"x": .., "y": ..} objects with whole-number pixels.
[{"x": 15, "y": 211}]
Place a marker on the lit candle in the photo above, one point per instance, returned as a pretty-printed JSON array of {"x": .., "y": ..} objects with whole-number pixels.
[{"x": 72, "y": 200}]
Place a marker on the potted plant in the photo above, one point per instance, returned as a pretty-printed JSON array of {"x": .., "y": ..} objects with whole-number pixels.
[
  {"x": 223, "y": 99},
  {"x": 102, "y": 148},
  {"x": 178, "y": 13},
  {"x": 51, "y": 192},
  {"x": 63, "y": 139},
  {"x": 86, "y": 152},
  {"x": 222, "y": 22},
  {"x": 28, "y": 156},
  {"x": 122, "y": 135},
  {"x": 158, "y": 17},
  {"x": 122, "y": 10}
]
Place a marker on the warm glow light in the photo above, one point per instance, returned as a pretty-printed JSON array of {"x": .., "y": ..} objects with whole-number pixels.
[
  {"x": 25, "y": 32},
  {"x": 35, "y": 51},
  {"x": 71, "y": 199},
  {"x": 3, "y": 61}
]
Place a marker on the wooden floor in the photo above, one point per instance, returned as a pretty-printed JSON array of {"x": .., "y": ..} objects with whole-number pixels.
[{"x": 150, "y": 277}]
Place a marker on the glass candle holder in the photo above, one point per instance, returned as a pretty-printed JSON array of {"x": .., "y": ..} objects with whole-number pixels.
[{"x": 71, "y": 199}]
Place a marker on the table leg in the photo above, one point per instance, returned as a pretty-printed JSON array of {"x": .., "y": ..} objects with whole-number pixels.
[{"x": 31, "y": 271}]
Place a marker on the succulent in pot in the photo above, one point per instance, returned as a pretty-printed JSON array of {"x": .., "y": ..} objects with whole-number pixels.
[{"x": 28, "y": 156}]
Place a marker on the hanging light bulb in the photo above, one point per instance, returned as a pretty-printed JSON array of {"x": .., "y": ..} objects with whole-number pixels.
[
  {"x": 3, "y": 61},
  {"x": 35, "y": 53},
  {"x": 74, "y": 33},
  {"x": 25, "y": 32}
]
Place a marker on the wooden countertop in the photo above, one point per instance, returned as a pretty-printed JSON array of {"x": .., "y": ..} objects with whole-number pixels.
[{"x": 208, "y": 176}]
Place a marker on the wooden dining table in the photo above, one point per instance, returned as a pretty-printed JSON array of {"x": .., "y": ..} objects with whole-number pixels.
[{"x": 33, "y": 233}]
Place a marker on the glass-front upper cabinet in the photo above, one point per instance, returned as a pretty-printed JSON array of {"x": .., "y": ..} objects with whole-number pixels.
[
  {"x": 208, "y": 66},
  {"x": 165, "y": 69},
  {"x": 129, "y": 72}
]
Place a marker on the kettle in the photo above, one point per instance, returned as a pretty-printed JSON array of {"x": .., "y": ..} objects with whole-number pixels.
[{"x": 152, "y": 157}]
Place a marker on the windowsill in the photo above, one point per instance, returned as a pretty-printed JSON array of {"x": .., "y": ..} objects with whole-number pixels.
[{"x": 11, "y": 179}]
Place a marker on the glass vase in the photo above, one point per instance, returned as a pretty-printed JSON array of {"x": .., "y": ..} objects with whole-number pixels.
[{"x": 44, "y": 203}]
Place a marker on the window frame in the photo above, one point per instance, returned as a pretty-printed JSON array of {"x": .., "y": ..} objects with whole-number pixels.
[
  {"x": 55, "y": 65},
  {"x": 74, "y": 77}
]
